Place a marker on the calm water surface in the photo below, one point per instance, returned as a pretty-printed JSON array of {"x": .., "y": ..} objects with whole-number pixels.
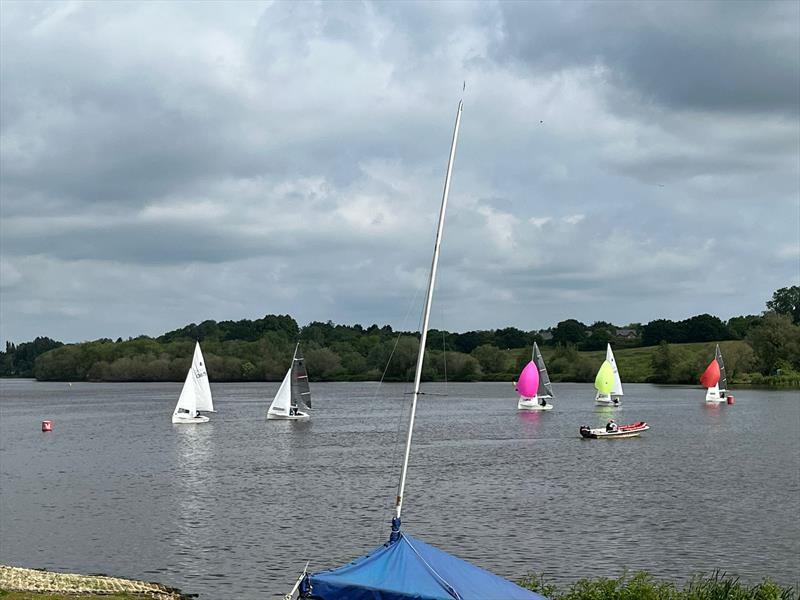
[{"x": 232, "y": 509}]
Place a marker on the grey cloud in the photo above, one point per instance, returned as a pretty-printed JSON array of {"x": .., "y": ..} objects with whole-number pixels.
[
  {"x": 741, "y": 56},
  {"x": 163, "y": 165}
]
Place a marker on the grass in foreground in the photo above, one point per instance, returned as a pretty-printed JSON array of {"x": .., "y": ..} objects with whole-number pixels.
[{"x": 642, "y": 586}]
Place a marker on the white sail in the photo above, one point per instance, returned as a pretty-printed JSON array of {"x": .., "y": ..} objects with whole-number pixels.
[
  {"x": 188, "y": 398},
  {"x": 204, "y": 401},
  {"x": 616, "y": 390},
  {"x": 283, "y": 399},
  {"x": 196, "y": 393}
]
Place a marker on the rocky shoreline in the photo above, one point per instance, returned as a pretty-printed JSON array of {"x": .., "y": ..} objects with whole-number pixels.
[{"x": 18, "y": 579}]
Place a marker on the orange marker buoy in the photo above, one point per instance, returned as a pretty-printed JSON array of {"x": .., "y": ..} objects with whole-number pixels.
[{"x": 47, "y": 426}]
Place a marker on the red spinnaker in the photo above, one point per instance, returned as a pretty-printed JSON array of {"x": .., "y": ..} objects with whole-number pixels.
[{"x": 710, "y": 376}]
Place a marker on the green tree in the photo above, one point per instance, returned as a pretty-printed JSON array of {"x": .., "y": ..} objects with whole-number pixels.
[
  {"x": 491, "y": 358},
  {"x": 739, "y": 326},
  {"x": 775, "y": 341},
  {"x": 786, "y": 301},
  {"x": 662, "y": 364},
  {"x": 569, "y": 332}
]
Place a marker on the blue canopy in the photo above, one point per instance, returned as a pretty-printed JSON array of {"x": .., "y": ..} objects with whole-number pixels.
[{"x": 405, "y": 568}]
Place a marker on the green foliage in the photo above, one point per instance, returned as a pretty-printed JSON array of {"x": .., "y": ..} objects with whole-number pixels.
[
  {"x": 700, "y": 328},
  {"x": 786, "y": 301},
  {"x": 776, "y": 343},
  {"x": 18, "y": 360},
  {"x": 490, "y": 358},
  {"x": 569, "y": 332},
  {"x": 261, "y": 349},
  {"x": 642, "y": 586}
]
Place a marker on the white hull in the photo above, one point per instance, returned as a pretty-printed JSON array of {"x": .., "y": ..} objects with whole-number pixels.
[
  {"x": 606, "y": 401},
  {"x": 179, "y": 419},
  {"x": 300, "y": 416},
  {"x": 715, "y": 395},
  {"x": 532, "y": 404}
]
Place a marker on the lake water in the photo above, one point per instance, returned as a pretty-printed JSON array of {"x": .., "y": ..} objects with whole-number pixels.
[{"x": 232, "y": 509}]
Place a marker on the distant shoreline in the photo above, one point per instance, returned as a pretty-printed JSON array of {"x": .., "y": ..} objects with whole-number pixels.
[{"x": 734, "y": 385}]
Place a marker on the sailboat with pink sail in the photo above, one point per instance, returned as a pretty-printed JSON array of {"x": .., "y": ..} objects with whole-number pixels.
[{"x": 533, "y": 385}]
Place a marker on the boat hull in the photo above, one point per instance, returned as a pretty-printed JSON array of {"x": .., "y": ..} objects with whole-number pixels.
[
  {"x": 624, "y": 431},
  {"x": 532, "y": 404},
  {"x": 300, "y": 416},
  {"x": 606, "y": 401},
  {"x": 181, "y": 420}
]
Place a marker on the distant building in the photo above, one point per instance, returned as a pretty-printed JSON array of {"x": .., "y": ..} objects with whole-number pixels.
[
  {"x": 546, "y": 334},
  {"x": 626, "y": 333}
]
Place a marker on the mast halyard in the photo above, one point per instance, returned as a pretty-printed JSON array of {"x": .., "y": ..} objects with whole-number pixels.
[{"x": 424, "y": 333}]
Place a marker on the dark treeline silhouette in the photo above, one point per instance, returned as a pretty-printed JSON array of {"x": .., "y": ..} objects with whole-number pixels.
[{"x": 260, "y": 349}]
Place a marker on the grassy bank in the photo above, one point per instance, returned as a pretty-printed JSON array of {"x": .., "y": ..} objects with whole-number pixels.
[
  {"x": 46, "y": 596},
  {"x": 642, "y": 586},
  {"x": 17, "y": 583}
]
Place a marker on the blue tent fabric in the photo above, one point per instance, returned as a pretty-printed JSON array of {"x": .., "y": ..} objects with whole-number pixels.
[{"x": 406, "y": 569}]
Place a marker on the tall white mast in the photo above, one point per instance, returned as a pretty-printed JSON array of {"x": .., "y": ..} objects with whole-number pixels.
[{"x": 424, "y": 333}]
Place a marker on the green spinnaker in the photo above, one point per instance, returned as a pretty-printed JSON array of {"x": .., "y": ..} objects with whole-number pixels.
[{"x": 605, "y": 378}]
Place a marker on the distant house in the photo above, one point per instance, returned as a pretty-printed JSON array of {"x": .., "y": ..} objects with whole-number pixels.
[
  {"x": 546, "y": 334},
  {"x": 626, "y": 333}
]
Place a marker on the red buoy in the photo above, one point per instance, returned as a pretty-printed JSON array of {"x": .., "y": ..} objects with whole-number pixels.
[
  {"x": 47, "y": 426},
  {"x": 731, "y": 399}
]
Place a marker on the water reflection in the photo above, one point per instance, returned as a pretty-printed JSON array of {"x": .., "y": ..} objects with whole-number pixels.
[
  {"x": 195, "y": 496},
  {"x": 531, "y": 421}
]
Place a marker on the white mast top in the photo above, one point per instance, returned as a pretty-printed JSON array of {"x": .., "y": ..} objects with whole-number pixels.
[{"x": 426, "y": 319}]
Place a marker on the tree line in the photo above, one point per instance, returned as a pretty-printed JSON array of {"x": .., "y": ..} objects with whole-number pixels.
[{"x": 260, "y": 349}]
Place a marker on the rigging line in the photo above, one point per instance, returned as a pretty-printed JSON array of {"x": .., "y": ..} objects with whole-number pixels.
[
  {"x": 401, "y": 418},
  {"x": 450, "y": 589}
]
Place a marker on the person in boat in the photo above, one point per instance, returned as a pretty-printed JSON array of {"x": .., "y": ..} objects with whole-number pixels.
[{"x": 611, "y": 427}]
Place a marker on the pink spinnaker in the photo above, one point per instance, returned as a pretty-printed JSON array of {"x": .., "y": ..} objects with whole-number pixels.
[{"x": 528, "y": 382}]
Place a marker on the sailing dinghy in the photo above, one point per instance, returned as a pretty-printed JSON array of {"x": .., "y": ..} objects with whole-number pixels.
[
  {"x": 715, "y": 379},
  {"x": 196, "y": 393},
  {"x": 607, "y": 382},
  {"x": 534, "y": 385},
  {"x": 294, "y": 393},
  {"x": 405, "y": 567}
]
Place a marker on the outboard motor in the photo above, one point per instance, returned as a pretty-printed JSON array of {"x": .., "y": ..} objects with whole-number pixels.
[{"x": 585, "y": 431}]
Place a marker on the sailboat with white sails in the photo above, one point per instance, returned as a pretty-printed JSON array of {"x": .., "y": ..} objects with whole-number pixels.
[
  {"x": 534, "y": 385},
  {"x": 294, "y": 395},
  {"x": 608, "y": 396},
  {"x": 405, "y": 567},
  {"x": 196, "y": 393}
]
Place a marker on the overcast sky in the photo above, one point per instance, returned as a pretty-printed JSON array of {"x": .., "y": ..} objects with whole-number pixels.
[{"x": 167, "y": 163}]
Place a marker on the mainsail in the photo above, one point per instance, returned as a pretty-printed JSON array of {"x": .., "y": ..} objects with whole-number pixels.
[
  {"x": 301, "y": 392},
  {"x": 545, "y": 388},
  {"x": 616, "y": 389},
  {"x": 723, "y": 378}
]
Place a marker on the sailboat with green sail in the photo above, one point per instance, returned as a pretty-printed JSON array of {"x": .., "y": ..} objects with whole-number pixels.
[{"x": 608, "y": 383}]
